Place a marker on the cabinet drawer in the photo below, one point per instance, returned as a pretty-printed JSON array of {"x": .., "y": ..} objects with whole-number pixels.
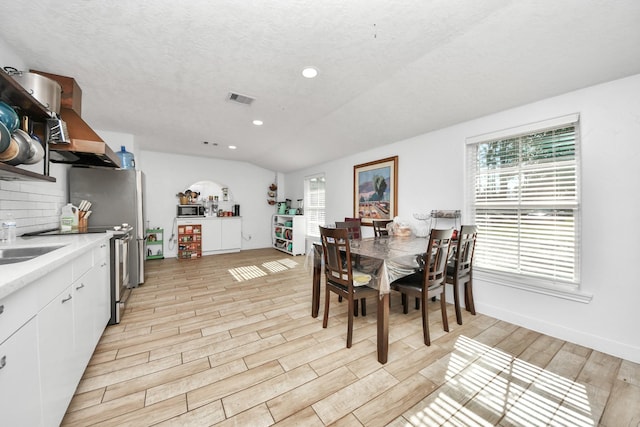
[
  {"x": 101, "y": 252},
  {"x": 52, "y": 284},
  {"x": 16, "y": 309},
  {"x": 82, "y": 264}
]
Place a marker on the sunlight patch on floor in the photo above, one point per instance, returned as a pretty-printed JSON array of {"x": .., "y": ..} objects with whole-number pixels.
[
  {"x": 498, "y": 387},
  {"x": 246, "y": 273},
  {"x": 274, "y": 266},
  {"x": 253, "y": 271}
]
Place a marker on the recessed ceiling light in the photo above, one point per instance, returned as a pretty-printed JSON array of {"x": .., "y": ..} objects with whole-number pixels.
[
  {"x": 310, "y": 72},
  {"x": 232, "y": 147},
  {"x": 258, "y": 122}
]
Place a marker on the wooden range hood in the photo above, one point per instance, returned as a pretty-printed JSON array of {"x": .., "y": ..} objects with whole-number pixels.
[{"x": 85, "y": 148}]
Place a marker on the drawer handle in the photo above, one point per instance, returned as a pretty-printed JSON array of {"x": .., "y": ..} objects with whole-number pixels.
[
  {"x": 1, "y": 308},
  {"x": 3, "y": 362},
  {"x": 104, "y": 264},
  {"x": 66, "y": 299},
  {"x": 80, "y": 287}
]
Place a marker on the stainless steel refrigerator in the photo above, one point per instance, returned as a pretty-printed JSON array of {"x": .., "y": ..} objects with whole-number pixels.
[{"x": 117, "y": 197}]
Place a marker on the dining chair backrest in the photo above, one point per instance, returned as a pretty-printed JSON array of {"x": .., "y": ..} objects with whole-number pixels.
[
  {"x": 435, "y": 259},
  {"x": 380, "y": 227},
  {"x": 337, "y": 255},
  {"x": 352, "y": 226},
  {"x": 464, "y": 250}
]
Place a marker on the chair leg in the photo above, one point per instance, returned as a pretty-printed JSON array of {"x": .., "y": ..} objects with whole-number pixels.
[
  {"x": 443, "y": 308},
  {"x": 363, "y": 305},
  {"x": 425, "y": 321},
  {"x": 405, "y": 309},
  {"x": 456, "y": 302},
  {"x": 417, "y": 303},
  {"x": 339, "y": 298},
  {"x": 325, "y": 318},
  {"x": 468, "y": 297},
  {"x": 350, "y": 322},
  {"x": 355, "y": 307}
]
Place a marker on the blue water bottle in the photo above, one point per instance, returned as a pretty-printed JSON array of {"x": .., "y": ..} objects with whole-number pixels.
[{"x": 126, "y": 159}]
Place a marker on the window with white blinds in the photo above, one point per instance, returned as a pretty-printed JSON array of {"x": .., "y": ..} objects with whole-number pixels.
[
  {"x": 523, "y": 194},
  {"x": 314, "y": 204}
]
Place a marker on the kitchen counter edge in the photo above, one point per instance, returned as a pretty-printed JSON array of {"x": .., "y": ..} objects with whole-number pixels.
[{"x": 14, "y": 277}]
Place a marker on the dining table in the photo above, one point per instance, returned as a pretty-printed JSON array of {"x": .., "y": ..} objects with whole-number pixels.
[{"x": 385, "y": 259}]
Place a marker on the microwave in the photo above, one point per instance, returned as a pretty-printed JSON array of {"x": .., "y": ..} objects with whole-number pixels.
[{"x": 187, "y": 211}]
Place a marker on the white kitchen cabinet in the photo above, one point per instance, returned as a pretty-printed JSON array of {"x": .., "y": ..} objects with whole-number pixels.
[
  {"x": 231, "y": 233},
  {"x": 83, "y": 294},
  {"x": 48, "y": 331},
  {"x": 57, "y": 356},
  {"x": 102, "y": 299},
  {"x": 20, "y": 402},
  {"x": 288, "y": 233},
  {"x": 219, "y": 234},
  {"x": 211, "y": 236}
]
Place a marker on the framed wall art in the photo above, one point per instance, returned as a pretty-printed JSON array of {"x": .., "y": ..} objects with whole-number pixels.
[{"x": 375, "y": 190}]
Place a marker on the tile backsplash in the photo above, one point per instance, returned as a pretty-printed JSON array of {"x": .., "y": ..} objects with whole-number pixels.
[{"x": 35, "y": 205}]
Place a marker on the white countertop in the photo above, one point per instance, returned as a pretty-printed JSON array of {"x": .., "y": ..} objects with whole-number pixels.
[
  {"x": 15, "y": 276},
  {"x": 207, "y": 218}
]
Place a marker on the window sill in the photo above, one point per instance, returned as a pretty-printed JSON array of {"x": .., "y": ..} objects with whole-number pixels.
[{"x": 530, "y": 284}]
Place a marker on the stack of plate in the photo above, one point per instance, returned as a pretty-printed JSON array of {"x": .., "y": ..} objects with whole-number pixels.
[{"x": 17, "y": 146}]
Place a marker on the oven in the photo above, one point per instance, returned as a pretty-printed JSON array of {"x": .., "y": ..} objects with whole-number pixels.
[{"x": 120, "y": 283}]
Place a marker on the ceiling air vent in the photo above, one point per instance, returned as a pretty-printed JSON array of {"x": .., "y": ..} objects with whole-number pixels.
[{"x": 242, "y": 99}]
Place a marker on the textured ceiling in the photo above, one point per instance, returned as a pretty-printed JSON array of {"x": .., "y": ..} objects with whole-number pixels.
[{"x": 161, "y": 70}]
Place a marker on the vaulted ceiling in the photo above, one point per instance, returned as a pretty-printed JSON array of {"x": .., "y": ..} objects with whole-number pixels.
[{"x": 388, "y": 70}]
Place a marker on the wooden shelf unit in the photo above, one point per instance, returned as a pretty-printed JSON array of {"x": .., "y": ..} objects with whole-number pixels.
[
  {"x": 189, "y": 241},
  {"x": 288, "y": 233}
]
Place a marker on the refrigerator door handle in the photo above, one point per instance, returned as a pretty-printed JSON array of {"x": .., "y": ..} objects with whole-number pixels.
[{"x": 141, "y": 260}]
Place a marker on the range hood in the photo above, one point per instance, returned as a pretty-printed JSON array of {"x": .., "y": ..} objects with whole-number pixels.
[{"x": 85, "y": 147}]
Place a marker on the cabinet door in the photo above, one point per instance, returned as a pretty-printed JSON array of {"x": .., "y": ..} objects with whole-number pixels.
[
  {"x": 231, "y": 233},
  {"x": 102, "y": 299},
  {"x": 84, "y": 296},
  {"x": 55, "y": 343},
  {"x": 20, "y": 403},
  {"x": 211, "y": 238}
]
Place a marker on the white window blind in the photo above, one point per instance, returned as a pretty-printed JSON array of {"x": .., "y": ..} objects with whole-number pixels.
[
  {"x": 314, "y": 203},
  {"x": 523, "y": 194}
]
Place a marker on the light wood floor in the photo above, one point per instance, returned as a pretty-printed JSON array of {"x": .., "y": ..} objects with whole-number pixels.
[{"x": 197, "y": 348}]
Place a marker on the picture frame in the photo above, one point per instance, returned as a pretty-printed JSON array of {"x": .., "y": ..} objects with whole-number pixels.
[{"x": 375, "y": 190}]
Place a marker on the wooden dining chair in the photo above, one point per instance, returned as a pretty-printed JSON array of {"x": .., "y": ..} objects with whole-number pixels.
[
  {"x": 354, "y": 226},
  {"x": 460, "y": 270},
  {"x": 339, "y": 275},
  {"x": 430, "y": 281},
  {"x": 380, "y": 227}
]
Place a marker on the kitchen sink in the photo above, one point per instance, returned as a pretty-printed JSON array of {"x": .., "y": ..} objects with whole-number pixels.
[{"x": 13, "y": 255}]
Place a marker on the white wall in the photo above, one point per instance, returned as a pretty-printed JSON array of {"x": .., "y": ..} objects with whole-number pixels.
[
  {"x": 168, "y": 174},
  {"x": 431, "y": 176}
]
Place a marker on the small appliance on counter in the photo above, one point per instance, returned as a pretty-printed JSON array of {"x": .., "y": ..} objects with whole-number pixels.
[{"x": 190, "y": 211}]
